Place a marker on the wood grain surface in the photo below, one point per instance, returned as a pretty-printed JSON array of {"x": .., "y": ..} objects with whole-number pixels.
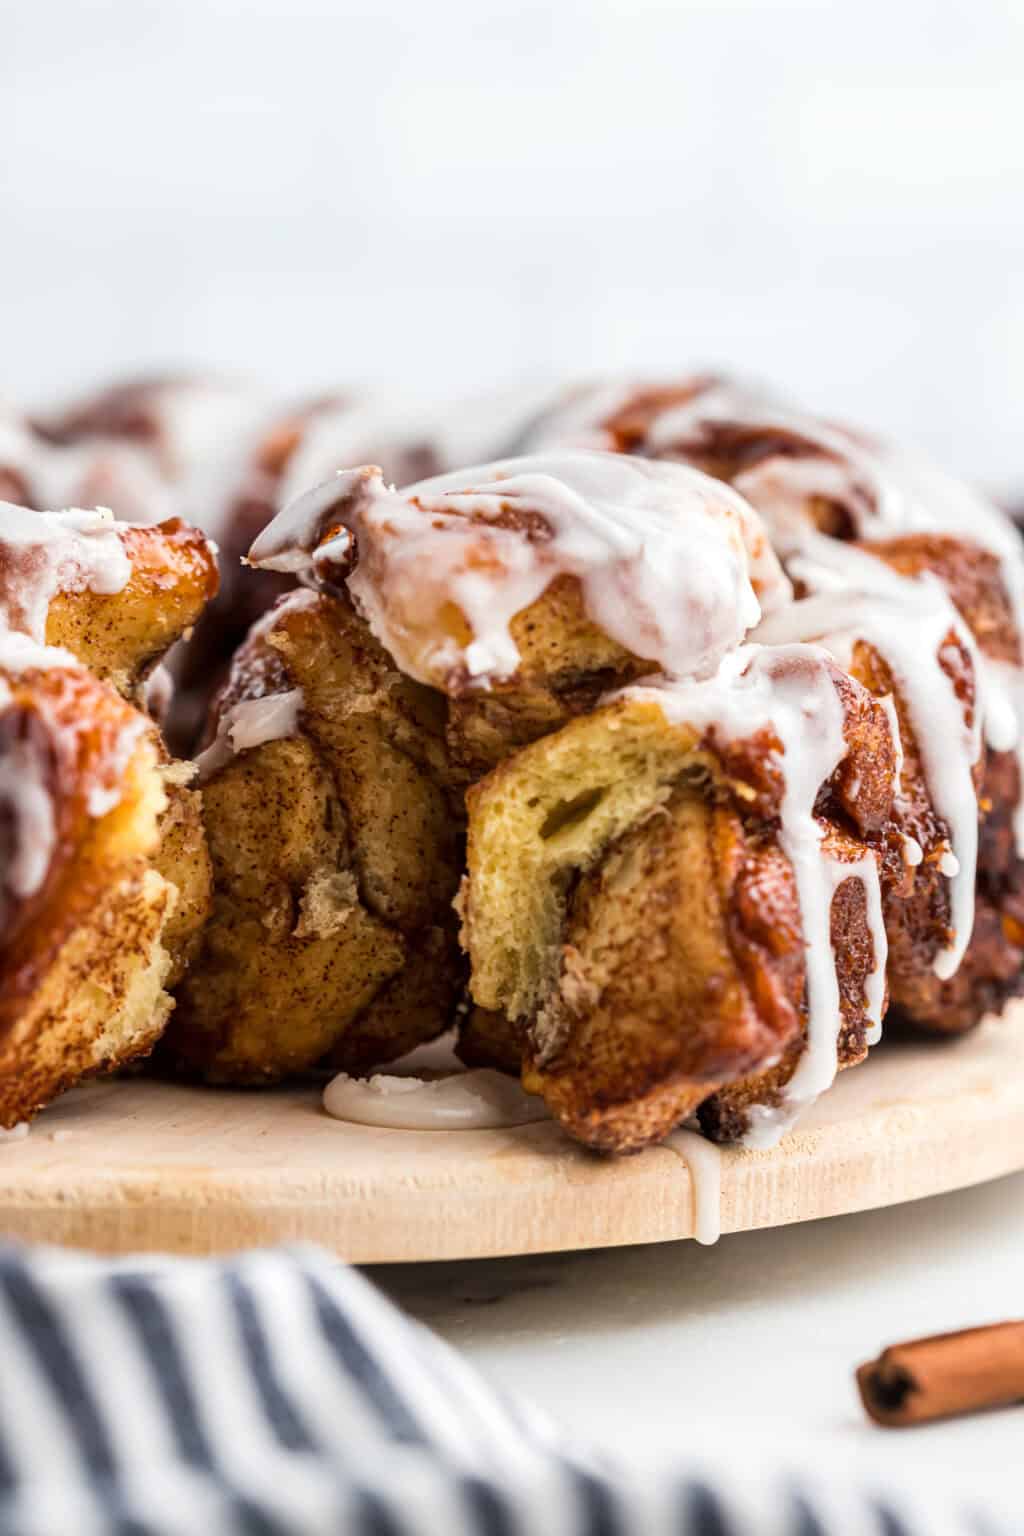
[{"x": 136, "y": 1165}]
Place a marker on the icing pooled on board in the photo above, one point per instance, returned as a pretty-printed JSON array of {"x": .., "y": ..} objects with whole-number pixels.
[{"x": 430, "y": 1090}]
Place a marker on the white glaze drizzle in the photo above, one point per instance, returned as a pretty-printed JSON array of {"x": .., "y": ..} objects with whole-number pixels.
[
  {"x": 789, "y": 689},
  {"x": 666, "y": 558},
  {"x": 22, "y": 787},
  {"x": 20, "y": 653},
  {"x": 158, "y": 692},
  {"x": 703, "y": 1161},
  {"x": 887, "y": 492},
  {"x": 906, "y": 621},
  {"x": 43, "y": 553},
  {"x": 768, "y": 1123},
  {"x": 913, "y": 853},
  {"x": 250, "y": 723},
  {"x": 430, "y": 1090}
]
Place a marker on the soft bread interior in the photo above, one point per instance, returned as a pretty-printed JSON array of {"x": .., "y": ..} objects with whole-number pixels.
[
  {"x": 680, "y": 967},
  {"x": 290, "y": 947},
  {"x": 545, "y": 815}
]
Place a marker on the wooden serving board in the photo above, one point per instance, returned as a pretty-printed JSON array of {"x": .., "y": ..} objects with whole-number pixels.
[{"x": 139, "y": 1165}]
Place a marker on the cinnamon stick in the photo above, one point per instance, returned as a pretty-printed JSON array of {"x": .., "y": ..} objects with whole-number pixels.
[{"x": 948, "y": 1374}]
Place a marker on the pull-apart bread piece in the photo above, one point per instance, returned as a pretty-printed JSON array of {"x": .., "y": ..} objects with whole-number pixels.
[
  {"x": 683, "y": 888},
  {"x": 336, "y": 851},
  {"x": 523, "y": 590},
  {"x": 104, "y": 875}
]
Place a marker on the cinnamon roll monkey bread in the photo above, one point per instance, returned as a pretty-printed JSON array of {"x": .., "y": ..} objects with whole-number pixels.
[
  {"x": 723, "y": 813},
  {"x": 669, "y": 760}
]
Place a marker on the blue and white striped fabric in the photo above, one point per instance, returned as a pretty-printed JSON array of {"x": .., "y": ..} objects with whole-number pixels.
[{"x": 278, "y": 1394}]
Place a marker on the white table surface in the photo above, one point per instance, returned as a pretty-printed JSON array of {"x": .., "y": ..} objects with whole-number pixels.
[{"x": 656, "y": 1352}]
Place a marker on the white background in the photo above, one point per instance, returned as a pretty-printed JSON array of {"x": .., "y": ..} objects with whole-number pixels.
[{"x": 450, "y": 193}]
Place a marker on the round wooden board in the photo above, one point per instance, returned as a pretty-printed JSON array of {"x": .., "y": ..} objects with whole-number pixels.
[{"x": 139, "y": 1165}]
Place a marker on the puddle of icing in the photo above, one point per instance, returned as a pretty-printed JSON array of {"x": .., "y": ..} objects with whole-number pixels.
[{"x": 430, "y": 1090}]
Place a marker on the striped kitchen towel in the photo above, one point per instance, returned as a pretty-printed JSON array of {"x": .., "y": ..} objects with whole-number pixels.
[{"x": 278, "y": 1394}]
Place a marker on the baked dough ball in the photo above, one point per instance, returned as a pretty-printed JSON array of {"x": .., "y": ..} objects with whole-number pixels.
[
  {"x": 107, "y": 878},
  {"x": 336, "y": 850},
  {"x": 642, "y": 889},
  {"x": 83, "y": 910},
  {"x": 524, "y": 590}
]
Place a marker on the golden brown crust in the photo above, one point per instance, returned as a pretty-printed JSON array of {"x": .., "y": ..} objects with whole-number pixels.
[
  {"x": 107, "y": 874},
  {"x": 917, "y": 909},
  {"x": 487, "y": 1037},
  {"x": 917, "y": 900},
  {"x": 336, "y": 853},
  {"x": 82, "y": 963},
  {"x": 567, "y": 664},
  {"x": 668, "y": 956},
  {"x": 182, "y": 858},
  {"x": 74, "y": 738},
  {"x": 121, "y": 636},
  {"x": 681, "y": 967},
  {"x": 725, "y": 1115}
]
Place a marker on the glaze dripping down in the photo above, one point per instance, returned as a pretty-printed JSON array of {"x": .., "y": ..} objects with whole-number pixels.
[
  {"x": 43, "y": 553},
  {"x": 670, "y": 563},
  {"x": 790, "y": 691}
]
